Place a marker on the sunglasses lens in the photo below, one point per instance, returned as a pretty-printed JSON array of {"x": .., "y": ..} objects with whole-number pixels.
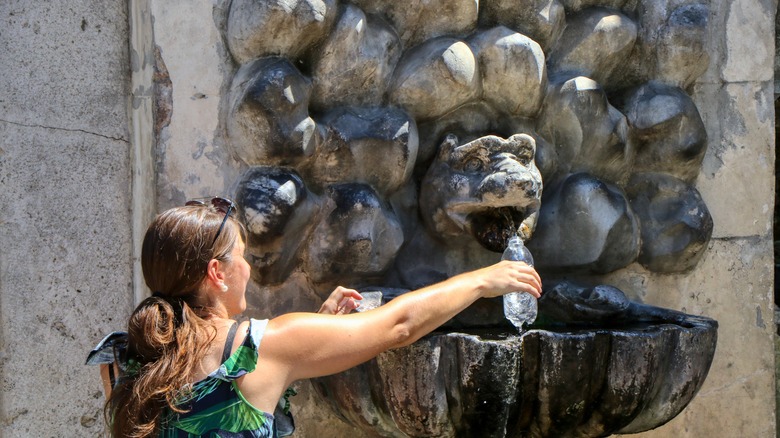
[{"x": 222, "y": 204}]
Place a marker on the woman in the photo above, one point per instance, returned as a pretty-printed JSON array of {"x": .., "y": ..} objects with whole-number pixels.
[{"x": 190, "y": 370}]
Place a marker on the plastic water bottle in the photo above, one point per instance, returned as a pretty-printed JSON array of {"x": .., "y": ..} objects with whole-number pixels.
[{"x": 520, "y": 308}]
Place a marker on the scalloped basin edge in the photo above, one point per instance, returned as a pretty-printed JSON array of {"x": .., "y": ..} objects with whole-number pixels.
[{"x": 585, "y": 382}]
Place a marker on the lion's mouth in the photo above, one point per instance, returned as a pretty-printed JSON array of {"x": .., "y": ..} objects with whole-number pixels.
[{"x": 492, "y": 228}]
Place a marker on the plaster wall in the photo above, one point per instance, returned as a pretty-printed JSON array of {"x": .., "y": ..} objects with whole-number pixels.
[{"x": 65, "y": 235}]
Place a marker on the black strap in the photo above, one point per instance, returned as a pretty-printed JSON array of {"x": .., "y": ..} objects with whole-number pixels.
[
  {"x": 229, "y": 342},
  {"x": 111, "y": 376}
]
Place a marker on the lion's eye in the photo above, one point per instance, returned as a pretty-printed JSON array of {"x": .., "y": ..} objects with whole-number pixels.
[
  {"x": 525, "y": 159},
  {"x": 472, "y": 165},
  {"x": 525, "y": 155}
]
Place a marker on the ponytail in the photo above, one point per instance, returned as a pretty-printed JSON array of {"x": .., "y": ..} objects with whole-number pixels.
[{"x": 166, "y": 341}]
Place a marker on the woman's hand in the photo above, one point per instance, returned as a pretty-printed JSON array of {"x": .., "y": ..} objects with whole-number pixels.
[
  {"x": 341, "y": 301},
  {"x": 507, "y": 276}
]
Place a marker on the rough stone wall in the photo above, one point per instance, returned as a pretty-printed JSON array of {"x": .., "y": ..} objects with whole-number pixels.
[
  {"x": 65, "y": 243},
  {"x": 733, "y": 283}
]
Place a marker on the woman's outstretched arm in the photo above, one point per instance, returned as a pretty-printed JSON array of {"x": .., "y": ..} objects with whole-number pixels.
[{"x": 310, "y": 345}]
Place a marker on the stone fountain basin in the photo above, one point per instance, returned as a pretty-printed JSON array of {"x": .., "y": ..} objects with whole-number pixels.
[{"x": 545, "y": 382}]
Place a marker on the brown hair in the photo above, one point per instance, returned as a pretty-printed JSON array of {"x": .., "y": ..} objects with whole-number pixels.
[{"x": 167, "y": 333}]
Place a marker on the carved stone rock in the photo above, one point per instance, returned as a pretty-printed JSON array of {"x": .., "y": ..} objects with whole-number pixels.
[
  {"x": 587, "y": 132},
  {"x": 417, "y": 21},
  {"x": 268, "y": 120},
  {"x": 275, "y": 205},
  {"x": 541, "y": 20},
  {"x": 512, "y": 66},
  {"x": 676, "y": 224},
  {"x": 357, "y": 237},
  {"x": 668, "y": 130},
  {"x": 385, "y": 137},
  {"x": 682, "y": 52},
  {"x": 435, "y": 78},
  {"x": 594, "y": 43},
  {"x": 671, "y": 44},
  {"x": 585, "y": 225},
  {"x": 355, "y": 62},
  {"x": 277, "y": 27}
]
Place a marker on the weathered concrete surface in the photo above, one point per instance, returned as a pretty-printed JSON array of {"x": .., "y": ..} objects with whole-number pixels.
[
  {"x": 193, "y": 160},
  {"x": 740, "y": 124},
  {"x": 65, "y": 262},
  {"x": 748, "y": 50},
  {"x": 732, "y": 285}
]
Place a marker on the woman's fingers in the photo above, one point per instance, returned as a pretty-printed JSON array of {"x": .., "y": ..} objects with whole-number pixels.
[
  {"x": 510, "y": 276},
  {"x": 530, "y": 278},
  {"x": 347, "y": 305},
  {"x": 340, "y": 301}
]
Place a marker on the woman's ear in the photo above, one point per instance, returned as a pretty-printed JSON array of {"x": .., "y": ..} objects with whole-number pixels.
[{"x": 215, "y": 276}]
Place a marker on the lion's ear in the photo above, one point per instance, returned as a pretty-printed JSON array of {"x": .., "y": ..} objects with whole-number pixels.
[
  {"x": 525, "y": 147},
  {"x": 447, "y": 145}
]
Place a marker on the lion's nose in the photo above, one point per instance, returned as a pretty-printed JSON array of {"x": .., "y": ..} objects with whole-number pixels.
[
  {"x": 508, "y": 185},
  {"x": 528, "y": 185}
]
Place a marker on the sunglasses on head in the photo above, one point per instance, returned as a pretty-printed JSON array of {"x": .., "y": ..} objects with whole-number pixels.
[{"x": 222, "y": 205}]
